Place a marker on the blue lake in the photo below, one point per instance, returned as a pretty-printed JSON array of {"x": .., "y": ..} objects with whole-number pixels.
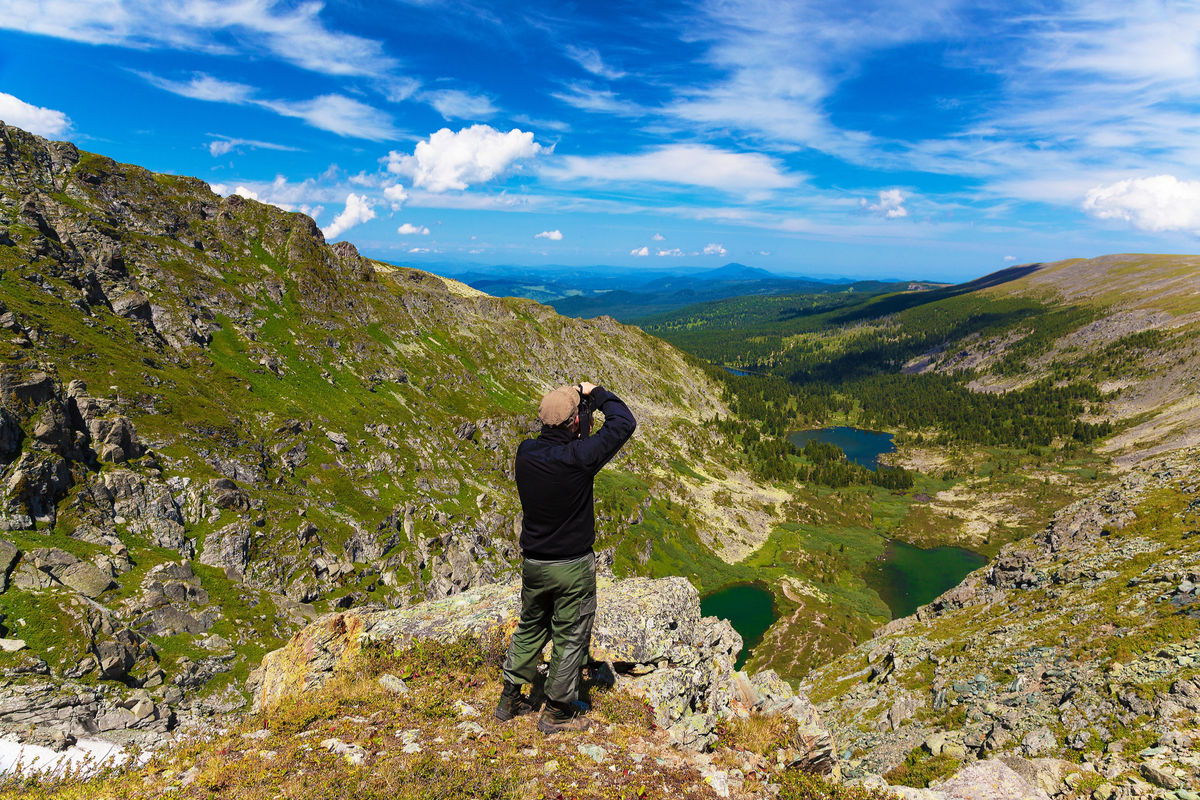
[
  {"x": 736, "y": 371},
  {"x": 749, "y": 607},
  {"x": 862, "y": 447}
]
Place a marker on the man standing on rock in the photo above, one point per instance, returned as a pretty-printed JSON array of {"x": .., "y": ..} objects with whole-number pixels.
[{"x": 558, "y": 576}]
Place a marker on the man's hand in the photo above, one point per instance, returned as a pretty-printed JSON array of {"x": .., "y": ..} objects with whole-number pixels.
[{"x": 586, "y": 388}]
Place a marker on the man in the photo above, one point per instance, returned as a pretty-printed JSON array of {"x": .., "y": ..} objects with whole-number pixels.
[{"x": 558, "y": 577}]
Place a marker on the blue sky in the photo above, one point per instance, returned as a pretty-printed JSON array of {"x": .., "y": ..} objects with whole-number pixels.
[{"x": 936, "y": 140}]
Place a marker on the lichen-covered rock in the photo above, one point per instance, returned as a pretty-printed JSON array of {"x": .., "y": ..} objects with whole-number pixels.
[{"x": 649, "y": 631}]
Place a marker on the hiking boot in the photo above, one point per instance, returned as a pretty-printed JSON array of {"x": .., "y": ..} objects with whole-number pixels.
[
  {"x": 512, "y": 704},
  {"x": 550, "y": 723}
]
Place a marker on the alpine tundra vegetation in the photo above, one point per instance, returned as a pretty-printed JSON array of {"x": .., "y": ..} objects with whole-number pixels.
[{"x": 259, "y": 525}]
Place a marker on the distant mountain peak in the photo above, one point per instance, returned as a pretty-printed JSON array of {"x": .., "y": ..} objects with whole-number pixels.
[{"x": 736, "y": 271}]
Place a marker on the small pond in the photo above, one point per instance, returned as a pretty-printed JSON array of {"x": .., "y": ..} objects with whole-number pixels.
[
  {"x": 749, "y": 607},
  {"x": 736, "y": 371},
  {"x": 862, "y": 447},
  {"x": 907, "y": 577}
]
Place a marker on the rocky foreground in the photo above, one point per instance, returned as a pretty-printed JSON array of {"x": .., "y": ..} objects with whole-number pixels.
[{"x": 1074, "y": 657}]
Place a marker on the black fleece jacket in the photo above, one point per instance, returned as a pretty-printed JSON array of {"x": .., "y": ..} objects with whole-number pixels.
[{"x": 554, "y": 479}]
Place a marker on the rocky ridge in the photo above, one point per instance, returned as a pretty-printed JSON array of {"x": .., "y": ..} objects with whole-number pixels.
[{"x": 1074, "y": 656}]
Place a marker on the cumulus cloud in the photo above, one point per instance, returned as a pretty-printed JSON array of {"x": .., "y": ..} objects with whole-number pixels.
[
  {"x": 357, "y": 211},
  {"x": 419, "y": 250},
  {"x": 684, "y": 164},
  {"x": 35, "y": 119},
  {"x": 455, "y": 104},
  {"x": 675, "y": 251},
  {"x": 449, "y": 160},
  {"x": 408, "y": 229},
  {"x": 1010, "y": 258},
  {"x": 640, "y": 251},
  {"x": 395, "y": 195},
  {"x": 890, "y": 205},
  {"x": 554, "y": 236},
  {"x": 658, "y": 237},
  {"x": 714, "y": 249},
  {"x": 1158, "y": 203}
]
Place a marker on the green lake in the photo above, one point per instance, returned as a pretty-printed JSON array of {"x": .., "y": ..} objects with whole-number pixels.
[
  {"x": 907, "y": 577},
  {"x": 749, "y": 607}
]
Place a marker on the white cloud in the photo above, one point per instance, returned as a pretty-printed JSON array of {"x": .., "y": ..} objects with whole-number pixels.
[
  {"x": 554, "y": 236},
  {"x": 890, "y": 205},
  {"x": 395, "y": 195},
  {"x": 35, "y": 119},
  {"x": 640, "y": 251},
  {"x": 1010, "y": 258},
  {"x": 675, "y": 251},
  {"x": 1158, "y": 203},
  {"x": 419, "y": 250},
  {"x": 408, "y": 229},
  {"x": 227, "y": 144},
  {"x": 337, "y": 114},
  {"x": 249, "y": 194},
  {"x": 331, "y": 112},
  {"x": 357, "y": 211},
  {"x": 455, "y": 104},
  {"x": 658, "y": 237},
  {"x": 684, "y": 164},
  {"x": 291, "y": 32},
  {"x": 588, "y": 98},
  {"x": 449, "y": 160},
  {"x": 590, "y": 59},
  {"x": 204, "y": 87},
  {"x": 714, "y": 249}
]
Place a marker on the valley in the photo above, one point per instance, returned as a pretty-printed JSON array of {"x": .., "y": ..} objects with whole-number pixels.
[{"x": 220, "y": 433}]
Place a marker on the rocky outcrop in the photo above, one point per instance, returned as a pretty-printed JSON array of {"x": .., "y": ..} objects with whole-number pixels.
[
  {"x": 1077, "y": 644},
  {"x": 650, "y": 633}
]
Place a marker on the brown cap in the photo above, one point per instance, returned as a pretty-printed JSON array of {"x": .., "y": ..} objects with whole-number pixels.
[{"x": 559, "y": 405}]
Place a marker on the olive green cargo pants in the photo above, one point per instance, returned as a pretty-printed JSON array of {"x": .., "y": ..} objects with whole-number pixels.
[{"x": 558, "y": 601}]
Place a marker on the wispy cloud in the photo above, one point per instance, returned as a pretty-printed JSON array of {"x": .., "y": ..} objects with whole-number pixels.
[
  {"x": 335, "y": 113},
  {"x": 890, "y": 205},
  {"x": 294, "y": 33},
  {"x": 456, "y": 104},
  {"x": 684, "y": 165},
  {"x": 223, "y": 145},
  {"x": 589, "y": 58}
]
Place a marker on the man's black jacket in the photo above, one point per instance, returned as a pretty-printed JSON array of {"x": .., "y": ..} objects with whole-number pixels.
[{"x": 554, "y": 479}]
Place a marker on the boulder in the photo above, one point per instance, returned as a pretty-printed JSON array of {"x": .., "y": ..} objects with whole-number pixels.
[
  {"x": 32, "y": 390},
  {"x": 86, "y": 579},
  {"x": 8, "y": 559}
]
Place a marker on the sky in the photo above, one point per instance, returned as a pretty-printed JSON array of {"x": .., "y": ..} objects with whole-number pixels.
[{"x": 937, "y": 140}]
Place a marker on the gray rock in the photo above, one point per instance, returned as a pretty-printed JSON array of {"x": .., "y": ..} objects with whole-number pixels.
[
  {"x": 228, "y": 548},
  {"x": 86, "y": 579},
  {"x": 8, "y": 558},
  {"x": 987, "y": 780},
  {"x": 594, "y": 751},
  {"x": 12, "y": 645},
  {"x": 1160, "y": 777}
]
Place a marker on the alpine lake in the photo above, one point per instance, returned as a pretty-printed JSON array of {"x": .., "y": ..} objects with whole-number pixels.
[{"x": 905, "y": 577}]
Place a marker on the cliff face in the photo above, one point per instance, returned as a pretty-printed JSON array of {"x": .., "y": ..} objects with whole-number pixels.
[{"x": 215, "y": 426}]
